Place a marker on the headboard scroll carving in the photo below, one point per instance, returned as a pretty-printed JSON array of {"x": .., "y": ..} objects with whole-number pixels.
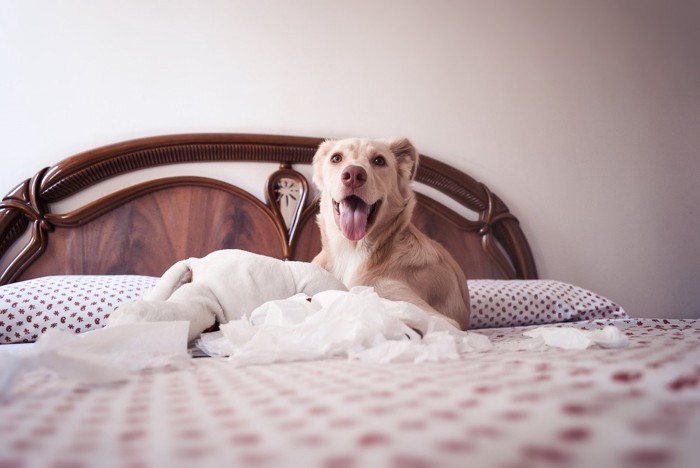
[
  {"x": 166, "y": 219},
  {"x": 286, "y": 194},
  {"x": 75, "y": 173}
]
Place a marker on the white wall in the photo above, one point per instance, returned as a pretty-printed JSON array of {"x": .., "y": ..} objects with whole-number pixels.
[{"x": 583, "y": 115}]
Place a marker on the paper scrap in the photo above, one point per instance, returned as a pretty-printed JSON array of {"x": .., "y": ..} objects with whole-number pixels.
[
  {"x": 106, "y": 355},
  {"x": 575, "y": 338}
]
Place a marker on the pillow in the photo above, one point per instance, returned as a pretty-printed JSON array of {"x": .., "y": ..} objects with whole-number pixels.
[
  {"x": 83, "y": 303},
  {"x": 71, "y": 303},
  {"x": 513, "y": 303}
]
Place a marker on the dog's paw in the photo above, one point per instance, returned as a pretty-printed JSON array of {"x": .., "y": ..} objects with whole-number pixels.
[
  {"x": 415, "y": 327},
  {"x": 453, "y": 322},
  {"x": 424, "y": 327}
]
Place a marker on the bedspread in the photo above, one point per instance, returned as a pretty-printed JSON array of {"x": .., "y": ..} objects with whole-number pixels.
[{"x": 637, "y": 406}]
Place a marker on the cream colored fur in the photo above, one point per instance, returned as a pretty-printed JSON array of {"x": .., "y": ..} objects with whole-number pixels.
[{"x": 394, "y": 257}]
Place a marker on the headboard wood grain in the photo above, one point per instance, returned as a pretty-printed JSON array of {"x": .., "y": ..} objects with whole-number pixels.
[{"x": 146, "y": 227}]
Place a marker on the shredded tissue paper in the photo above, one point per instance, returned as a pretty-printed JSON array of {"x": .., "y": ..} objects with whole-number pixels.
[
  {"x": 106, "y": 355},
  {"x": 357, "y": 325}
]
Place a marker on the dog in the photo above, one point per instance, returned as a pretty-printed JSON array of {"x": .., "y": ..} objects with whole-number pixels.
[{"x": 367, "y": 237}]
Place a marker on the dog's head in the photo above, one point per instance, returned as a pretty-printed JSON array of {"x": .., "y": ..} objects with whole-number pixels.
[{"x": 365, "y": 183}]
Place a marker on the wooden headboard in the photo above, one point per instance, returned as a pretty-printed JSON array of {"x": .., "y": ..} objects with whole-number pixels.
[{"x": 146, "y": 227}]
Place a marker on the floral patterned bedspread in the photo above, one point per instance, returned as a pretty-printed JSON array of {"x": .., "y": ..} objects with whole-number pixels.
[{"x": 638, "y": 406}]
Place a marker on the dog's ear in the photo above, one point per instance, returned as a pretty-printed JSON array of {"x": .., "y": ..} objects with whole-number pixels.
[
  {"x": 321, "y": 153},
  {"x": 406, "y": 157}
]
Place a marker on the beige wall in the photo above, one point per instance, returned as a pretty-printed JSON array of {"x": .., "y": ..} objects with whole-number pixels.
[{"x": 583, "y": 115}]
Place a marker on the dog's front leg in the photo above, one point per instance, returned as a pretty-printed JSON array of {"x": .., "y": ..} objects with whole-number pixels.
[{"x": 395, "y": 290}]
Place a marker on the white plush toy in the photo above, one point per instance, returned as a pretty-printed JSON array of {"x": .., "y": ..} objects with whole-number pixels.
[{"x": 225, "y": 285}]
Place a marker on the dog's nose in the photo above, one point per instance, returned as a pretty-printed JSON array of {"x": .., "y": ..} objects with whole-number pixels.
[{"x": 354, "y": 176}]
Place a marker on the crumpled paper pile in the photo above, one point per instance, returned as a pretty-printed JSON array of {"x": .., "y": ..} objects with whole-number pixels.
[{"x": 357, "y": 324}]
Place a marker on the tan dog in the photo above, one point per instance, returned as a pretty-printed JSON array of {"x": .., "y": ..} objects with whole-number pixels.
[{"x": 366, "y": 231}]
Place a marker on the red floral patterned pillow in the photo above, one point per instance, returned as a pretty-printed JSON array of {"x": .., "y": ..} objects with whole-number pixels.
[
  {"x": 501, "y": 303},
  {"x": 71, "y": 303},
  {"x": 83, "y": 303}
]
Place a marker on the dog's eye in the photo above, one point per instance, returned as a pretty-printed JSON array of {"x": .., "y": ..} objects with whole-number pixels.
[
  {"x": 379, "y": 161},
  {"x": 336, "y": 158}
]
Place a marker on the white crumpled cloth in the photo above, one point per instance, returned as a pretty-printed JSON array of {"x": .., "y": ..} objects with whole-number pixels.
[{"x": 357, "y": 324}]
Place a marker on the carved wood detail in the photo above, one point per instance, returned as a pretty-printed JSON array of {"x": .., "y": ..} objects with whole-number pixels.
[
  {"x": 114, "y": 237},
  {"x": 74, "y": 174},
  {"x": 23, "y": 207},
  {"x": 493, "y": 246},
  {"x": 286, "y": 193}
]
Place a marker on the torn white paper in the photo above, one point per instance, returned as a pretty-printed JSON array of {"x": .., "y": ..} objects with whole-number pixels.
[
  {"x": 357, "y": 324},
  {"x": 575, "y": 338},
  {"x": 565, "y": 337},
  {"x": 101, "y": 356}
]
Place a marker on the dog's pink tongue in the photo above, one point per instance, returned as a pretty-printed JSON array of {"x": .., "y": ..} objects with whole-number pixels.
[{"x": 353, "y": 218}]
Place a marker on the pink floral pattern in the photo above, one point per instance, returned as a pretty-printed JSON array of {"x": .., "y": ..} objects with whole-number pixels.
[
  {"x": 83, "y": 303},
  {"x": 499, "y": 303},
  {"x": 631, "y": 407},
  {"x": 70, "y": 303}
]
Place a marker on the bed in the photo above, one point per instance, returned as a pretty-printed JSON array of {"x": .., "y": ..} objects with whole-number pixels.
[{"x": 95, "y": 230}]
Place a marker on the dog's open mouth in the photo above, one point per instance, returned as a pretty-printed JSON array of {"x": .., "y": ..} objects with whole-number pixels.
[{"x": 354, "y": 217}]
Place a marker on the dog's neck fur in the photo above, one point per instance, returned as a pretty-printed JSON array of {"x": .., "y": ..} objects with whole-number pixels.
[{"x": 347, "y": 259}]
